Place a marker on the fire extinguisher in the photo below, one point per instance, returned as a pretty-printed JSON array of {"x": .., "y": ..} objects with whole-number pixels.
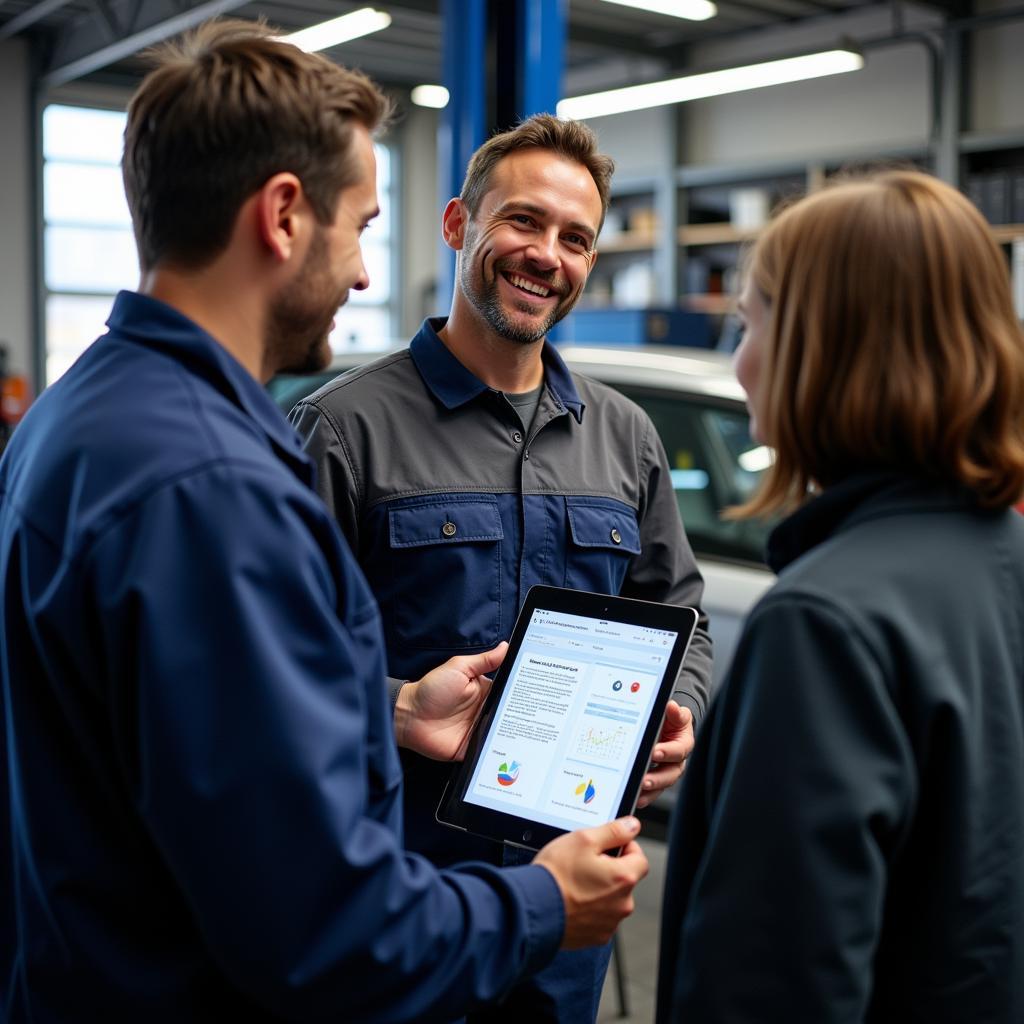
[{"x": 14, "y": 398}]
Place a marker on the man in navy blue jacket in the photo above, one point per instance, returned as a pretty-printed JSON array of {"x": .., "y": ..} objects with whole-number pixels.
[{"x": 200, "y": 764}]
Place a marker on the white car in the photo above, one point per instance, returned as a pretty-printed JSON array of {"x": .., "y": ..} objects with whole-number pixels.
[{"x": 698, "y": 408}]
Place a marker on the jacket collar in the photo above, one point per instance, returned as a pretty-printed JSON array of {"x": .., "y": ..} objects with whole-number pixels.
[
  {"x": 153, "y": 324},
  {"x": 453, "y": 385},
  {"x": 861, "y": 496}
]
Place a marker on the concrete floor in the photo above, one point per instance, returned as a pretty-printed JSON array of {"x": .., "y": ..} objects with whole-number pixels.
[{"x": 638, "y": 940}]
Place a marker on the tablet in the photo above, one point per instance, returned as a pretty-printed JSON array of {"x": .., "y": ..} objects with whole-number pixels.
[{"x": 565, "y": 735}]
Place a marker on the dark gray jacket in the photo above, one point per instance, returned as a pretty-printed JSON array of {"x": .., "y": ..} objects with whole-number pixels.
[{"x": 849, "y": 842}]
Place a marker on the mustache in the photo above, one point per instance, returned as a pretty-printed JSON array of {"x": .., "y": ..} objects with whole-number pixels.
[{"x": 553, "y": 280}]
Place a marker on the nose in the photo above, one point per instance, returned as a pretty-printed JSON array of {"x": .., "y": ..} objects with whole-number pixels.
[
  {"x": 543, "y": 250},
  {"x": 362, "y": 282}
]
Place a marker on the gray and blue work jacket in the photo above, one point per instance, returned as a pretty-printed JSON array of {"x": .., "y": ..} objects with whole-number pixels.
[{"x": 454, "y": 511}]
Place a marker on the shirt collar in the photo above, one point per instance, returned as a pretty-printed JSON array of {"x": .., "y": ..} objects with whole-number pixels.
[
  {"x": 453, "y": 385},
  {"x": 146, "y": 321}
]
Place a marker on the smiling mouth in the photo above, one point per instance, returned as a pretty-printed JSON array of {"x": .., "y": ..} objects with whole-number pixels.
[{"x": 540, "y": 291}]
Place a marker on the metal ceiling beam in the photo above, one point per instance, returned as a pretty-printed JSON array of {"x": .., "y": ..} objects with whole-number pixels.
[
  {"x": 774, "y": 12},
  {"x": 30, "y": 16},
  {"x": 84, "y": 47},
  {"x": 617, "y": 42}
]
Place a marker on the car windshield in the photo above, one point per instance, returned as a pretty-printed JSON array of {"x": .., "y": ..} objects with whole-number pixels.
[{"x": 714, "y": 464}]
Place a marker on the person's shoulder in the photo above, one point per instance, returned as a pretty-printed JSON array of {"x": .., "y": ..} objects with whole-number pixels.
[
  {"x": 366, "y": 380},
  {"x": 914, "y": 566},
  {"x": 609, "y": 401},
  {"x": 101, "y": 448}
]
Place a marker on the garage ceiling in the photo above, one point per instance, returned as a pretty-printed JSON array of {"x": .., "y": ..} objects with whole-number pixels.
[{"x": 98, "y": 40}]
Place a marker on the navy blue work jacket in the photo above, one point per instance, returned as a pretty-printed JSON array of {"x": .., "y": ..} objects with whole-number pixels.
[{"x": 205, "y": 789}]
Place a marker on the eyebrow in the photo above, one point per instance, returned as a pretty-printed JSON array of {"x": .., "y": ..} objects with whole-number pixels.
[{"x": 540, "y": 211}]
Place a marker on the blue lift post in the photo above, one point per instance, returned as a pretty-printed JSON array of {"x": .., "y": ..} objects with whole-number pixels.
[
  {"x": 540, "y": 49},
  {"x": 540, "y": 57},
  {"x": 463, "y": 124},
  {"x": 527, "y": 39}
]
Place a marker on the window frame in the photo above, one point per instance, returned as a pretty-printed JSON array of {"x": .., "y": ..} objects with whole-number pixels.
[{"x": 116, "y": 100}]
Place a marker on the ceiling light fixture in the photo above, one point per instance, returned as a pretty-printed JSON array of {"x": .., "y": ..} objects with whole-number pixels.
[
  {"x": 692, "y": 10},
  {"x": 711, "y": 83},
  {"x": 339, "y": 30},
  {"x": 435, "y": 96}
]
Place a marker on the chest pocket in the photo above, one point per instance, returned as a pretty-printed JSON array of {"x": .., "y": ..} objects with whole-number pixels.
[
  {"x": 603, "y": 536},
  {"x": 446, "y": 574}
]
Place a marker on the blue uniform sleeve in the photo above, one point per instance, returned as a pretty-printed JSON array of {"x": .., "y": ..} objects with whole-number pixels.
[
  {"x": 245, "y": 686},
  {"x": 796, "y": 800}
]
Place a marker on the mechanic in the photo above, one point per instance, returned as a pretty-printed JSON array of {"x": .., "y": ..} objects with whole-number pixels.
[
  {"x": 205, "y": 792},
  {"x": 473, "y": 465}
]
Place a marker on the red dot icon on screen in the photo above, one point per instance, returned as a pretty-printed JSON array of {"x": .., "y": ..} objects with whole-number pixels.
[{"x": 633, "y": 687}]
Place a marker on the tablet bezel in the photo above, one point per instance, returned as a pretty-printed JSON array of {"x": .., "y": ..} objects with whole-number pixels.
[{"x": 455, "y": 812}]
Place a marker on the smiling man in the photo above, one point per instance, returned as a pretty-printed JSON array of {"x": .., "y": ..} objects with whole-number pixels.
[{"x": 473, "y": 465}]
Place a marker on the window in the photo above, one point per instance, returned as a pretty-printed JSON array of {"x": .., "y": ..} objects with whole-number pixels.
[
  {"x": 89, "y": 249},
  {"x": 367, "y": 321}
]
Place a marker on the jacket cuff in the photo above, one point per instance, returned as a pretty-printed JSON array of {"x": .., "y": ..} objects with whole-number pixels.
[
  {"x": 394, "y": 686},
  {"x": 545, "y": 912}
]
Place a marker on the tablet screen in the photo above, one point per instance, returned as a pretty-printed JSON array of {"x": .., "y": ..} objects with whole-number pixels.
[{"x": 567, "y": 729}]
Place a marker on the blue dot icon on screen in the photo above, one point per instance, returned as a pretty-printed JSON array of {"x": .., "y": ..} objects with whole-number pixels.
[{"x": 617, "y": 685}]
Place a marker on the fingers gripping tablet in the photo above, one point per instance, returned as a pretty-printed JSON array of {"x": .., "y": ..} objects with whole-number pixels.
[{"x": 567, "y": 731}]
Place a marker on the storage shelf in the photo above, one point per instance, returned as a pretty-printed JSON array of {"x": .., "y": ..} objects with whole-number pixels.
[
  {"x": 714, "y": 234},
  {"x": 726, "y": 234},
  {"x": 979, "y": 142},
  {"x": 715, "y": 303},
  {"x": 1007, "y": 232},
  {"x": 628, "y": 241}
]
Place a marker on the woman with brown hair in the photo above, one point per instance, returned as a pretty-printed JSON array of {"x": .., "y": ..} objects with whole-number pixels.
[{"x": 849, "y": 843}]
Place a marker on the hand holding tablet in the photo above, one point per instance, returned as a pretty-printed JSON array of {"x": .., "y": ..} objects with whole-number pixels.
[
  {"x": 597, "y": 890},
  {"x": 435, "y": 715},
  {"x": 567, "y": 730}
]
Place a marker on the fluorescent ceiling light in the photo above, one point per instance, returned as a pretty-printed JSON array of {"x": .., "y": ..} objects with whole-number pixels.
[
  {"x": 339, "y": 30},
  {"x": 693, "y": 10},
  {"x": 435, "y": 96},
  {"x": 711, "y": 83}
]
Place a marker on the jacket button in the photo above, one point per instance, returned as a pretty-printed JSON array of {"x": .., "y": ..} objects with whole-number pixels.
[
  {"x": 616, "y": 536},
  {"x": 517, "y": 436},
  {"x": 449, "y": 529}
]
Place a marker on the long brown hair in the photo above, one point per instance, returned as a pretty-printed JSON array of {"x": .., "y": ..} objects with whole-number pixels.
[{"x": 892, "y": 342}]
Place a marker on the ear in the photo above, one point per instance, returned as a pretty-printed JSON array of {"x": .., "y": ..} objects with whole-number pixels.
[
  {"x": 453, "y": 224},
  {"x": 282, "y": 214}
]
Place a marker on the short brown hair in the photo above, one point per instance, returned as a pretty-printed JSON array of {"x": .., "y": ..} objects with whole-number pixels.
[
  {"x": 572, "y": 140},
  {"x": 893, "y": 342},
  {"x": 227, "y": 107}
]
